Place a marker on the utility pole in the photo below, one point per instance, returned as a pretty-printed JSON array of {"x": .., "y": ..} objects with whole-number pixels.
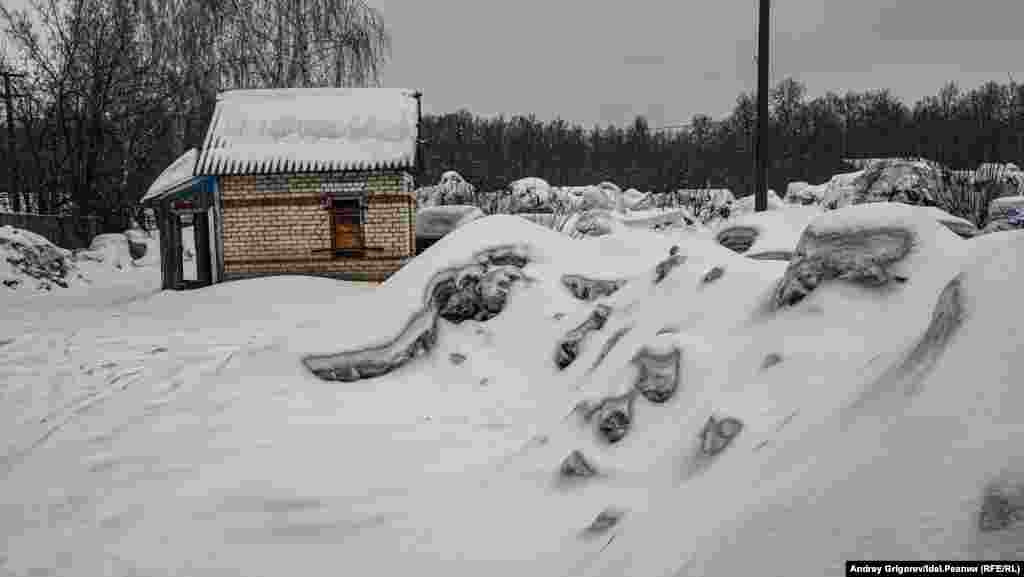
[
  {"x": 13, "y": 192},
  {"x": 760, "y": 146}
]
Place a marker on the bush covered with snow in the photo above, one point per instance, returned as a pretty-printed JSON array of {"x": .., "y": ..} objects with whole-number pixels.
[
  {"x": 133, "y": 247},
  {"x": 452, "y": 189}
]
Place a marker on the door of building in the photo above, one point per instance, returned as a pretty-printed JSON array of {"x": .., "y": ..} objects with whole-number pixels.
[{"x": 192, "y": 250}]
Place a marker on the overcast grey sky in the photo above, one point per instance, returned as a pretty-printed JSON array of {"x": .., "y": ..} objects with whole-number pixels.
[{"x": 603, "y": 61}]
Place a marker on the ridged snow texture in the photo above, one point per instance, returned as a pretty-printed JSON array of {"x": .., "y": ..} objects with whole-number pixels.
[{"x": 476, "y": 290}]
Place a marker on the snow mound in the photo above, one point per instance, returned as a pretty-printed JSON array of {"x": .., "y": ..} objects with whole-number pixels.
[
  {"x": 1004, "y": 214},
  {"x": 801, "y": 192},
  {"x": 1000, "y": 179},
  {"x": 476, "y": 290},
  {"x": 452, "y": 189},
  {"x": 918, "y": 182},
  {"x": 770, "y": 235},
  {"x": 713, "y": 205},
  {"x": 143, "y": 247},
  {"x": 638, "y": 403},
  {"x": 530, "y": 194},
  {"x": 134, "y": 247},
  {"x": 960, "y": 226},
  {"x": 877, "y": 245},
  {"x": 901, "y": 444},
  {"x": 433, "y": 222},
  {"x": 112, "y": 249},
  {"x": 747, "y": 204},
  {"x": 636, "y": 200},
  {"x": 593, "y": 223},
  {"x": 30, "y": 261}
]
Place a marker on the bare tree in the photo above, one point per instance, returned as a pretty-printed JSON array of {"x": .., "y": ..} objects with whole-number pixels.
[
  {"x": 95, "y": 96},
  {"x": 214, "y": 45}
]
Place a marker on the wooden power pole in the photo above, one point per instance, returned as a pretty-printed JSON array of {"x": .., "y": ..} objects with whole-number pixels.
[
  {"x": 760, "y": 146},
  {"x": 13, "y": 192}
]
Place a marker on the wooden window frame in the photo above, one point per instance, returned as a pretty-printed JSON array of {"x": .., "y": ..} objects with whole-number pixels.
[{"x": 360, "y": 204}]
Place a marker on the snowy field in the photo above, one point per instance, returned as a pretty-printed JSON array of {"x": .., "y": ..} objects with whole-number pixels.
[{"x": 687, "y": 412}]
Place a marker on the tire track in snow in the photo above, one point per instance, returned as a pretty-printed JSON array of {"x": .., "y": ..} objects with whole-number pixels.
[{"x": 184, "y": 376}]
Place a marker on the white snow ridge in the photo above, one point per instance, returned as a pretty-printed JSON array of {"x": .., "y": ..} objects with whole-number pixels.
[{"x": 773, "y": 395}]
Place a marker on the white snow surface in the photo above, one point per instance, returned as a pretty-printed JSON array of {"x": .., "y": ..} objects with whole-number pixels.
[
  {"x": 177, "y": 173},
  {"x": 776, "y": 230},
  {"x": 437, "y": 221},
  {"x": 177, "y": 433},
  {"x": 310, "y": 129}
]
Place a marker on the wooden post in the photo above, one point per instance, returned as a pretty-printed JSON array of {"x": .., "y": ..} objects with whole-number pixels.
[
  {"x": 760, "y": 148},
  {"x": 418, "y": 154}
]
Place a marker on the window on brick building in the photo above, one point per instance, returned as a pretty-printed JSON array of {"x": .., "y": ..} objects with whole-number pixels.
[{"x": 348, "y": 225}]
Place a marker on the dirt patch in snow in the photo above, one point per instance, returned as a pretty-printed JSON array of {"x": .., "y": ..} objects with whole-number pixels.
[
  {"x": 589, "y": 289},
  {"x": 861, "y": 256},
  {"x": 568, "y": 347}
]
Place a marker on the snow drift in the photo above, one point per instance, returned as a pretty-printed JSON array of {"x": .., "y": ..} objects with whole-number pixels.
[
  {"x": 433, "y": 222},
  {"x": 30, "y": 261},
  {"x": 521, "y": 403},
  {"x": 132, "y": 247}
]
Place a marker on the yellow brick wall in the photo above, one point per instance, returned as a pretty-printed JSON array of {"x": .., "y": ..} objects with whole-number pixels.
[{"x": 286, "y": 231}]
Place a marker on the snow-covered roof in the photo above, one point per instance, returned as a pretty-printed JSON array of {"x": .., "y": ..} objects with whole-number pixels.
[
  {"x": 179, "y": 172},
  {"x": 310, "y": 129}
]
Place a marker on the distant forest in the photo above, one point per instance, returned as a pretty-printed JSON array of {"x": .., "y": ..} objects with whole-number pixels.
[{"x": 809, "y": 139}]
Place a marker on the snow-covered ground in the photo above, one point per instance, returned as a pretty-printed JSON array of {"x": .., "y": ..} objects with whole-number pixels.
[{"x": 862, "y": 398}]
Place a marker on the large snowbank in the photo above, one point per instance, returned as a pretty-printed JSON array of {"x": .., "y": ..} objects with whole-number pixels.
[
  {"x": 436, "y": 221},
  {"x": 29, "y": 261},
  {"x": 693, "y": 412}
]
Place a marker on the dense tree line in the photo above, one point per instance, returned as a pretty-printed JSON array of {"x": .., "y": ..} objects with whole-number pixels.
[
  {"x": 114, "y": 90},
  {"x": 809, "y": 139}
]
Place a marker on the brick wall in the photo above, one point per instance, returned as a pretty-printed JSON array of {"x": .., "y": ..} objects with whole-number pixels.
[{"x": 273, "y": 224}]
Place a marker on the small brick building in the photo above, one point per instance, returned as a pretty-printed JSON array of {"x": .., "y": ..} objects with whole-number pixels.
[{"x": 296, "y": 181}]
